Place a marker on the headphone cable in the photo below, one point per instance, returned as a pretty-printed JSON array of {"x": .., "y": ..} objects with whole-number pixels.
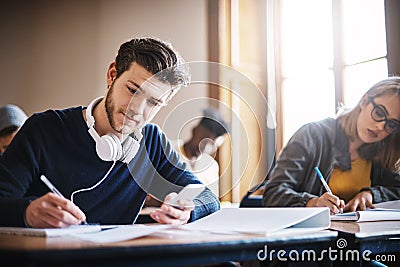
[{"x": 94, "y": 186}]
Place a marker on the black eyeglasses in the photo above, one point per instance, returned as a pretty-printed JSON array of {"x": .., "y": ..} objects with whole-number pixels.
[{"x": 378, "y": 114}]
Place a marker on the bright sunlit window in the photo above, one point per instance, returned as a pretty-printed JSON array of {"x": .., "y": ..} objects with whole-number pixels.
[
  {"x": 364, "y": 39},
  {"x": 331, "y": 52}
]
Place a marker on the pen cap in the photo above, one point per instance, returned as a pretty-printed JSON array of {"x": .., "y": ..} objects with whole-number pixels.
[{"x": 319, "y": 173}]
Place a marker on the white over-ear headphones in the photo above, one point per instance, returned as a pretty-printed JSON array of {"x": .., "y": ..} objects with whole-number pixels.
[{"x": 109, "y": 147}]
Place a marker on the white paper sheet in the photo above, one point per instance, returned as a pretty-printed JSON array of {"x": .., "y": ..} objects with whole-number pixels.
[
  {"x": 392, "y": 205},
  {"x": 118, "y": 233},
  {"x": 265, "y": 221},
  {"x": 51, "y": 232}
]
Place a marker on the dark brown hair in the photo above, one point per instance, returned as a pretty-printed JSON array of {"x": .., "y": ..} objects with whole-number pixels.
[{"x": 157, "y": 57}]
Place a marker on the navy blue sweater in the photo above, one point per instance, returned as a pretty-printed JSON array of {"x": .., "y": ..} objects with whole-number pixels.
[{"x": 56, "y": 143}]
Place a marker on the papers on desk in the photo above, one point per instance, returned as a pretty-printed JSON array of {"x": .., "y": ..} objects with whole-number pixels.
[
  {"x": 391, "y": 205},
  {"x": 92, "y": 232},
  {"x": 264, "y": 221},
  {"x": 51, "y": 232},
  {"x": 385, "y": 211},
  {"x": 121, "y": 232},
  {"x": 364, "y": 229}
]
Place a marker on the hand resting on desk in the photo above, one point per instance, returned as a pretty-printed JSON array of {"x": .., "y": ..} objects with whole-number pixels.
[
  {"x": 52, "y": 210},
  {"x": 361, "y": 201},
  {"x": 173, "y": 215}
]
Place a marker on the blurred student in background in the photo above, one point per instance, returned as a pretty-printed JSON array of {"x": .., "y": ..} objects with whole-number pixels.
[
  {"x": 200, "y": 149},
  {"x": 358, "y": 153},
  {"x": 11, "y": 119}
]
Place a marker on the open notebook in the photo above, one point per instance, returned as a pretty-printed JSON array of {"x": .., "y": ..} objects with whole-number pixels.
[
  {"x": 385, "y": 211},
  {"x": 265, "y": 221}
]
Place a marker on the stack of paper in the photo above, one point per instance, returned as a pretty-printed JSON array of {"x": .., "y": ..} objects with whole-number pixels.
[{"x": 367, "y": 228}]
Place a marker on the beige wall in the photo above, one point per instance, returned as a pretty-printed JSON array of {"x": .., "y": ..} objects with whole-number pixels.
[{"x": 54, "y": 54}]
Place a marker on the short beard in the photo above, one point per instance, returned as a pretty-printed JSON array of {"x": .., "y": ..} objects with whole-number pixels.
[{"x": 110, "y": 108}]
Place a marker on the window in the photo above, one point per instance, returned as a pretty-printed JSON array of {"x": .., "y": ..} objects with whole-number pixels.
[
  {"x": 306, "y": 57},
  {"x": 331, "y": 51}
]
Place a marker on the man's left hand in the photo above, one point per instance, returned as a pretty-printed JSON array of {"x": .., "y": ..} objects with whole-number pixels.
[{"x": 168, "y": 214}]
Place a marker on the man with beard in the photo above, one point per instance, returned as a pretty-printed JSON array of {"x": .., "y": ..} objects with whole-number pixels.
[{"x": 105, "y": 158}]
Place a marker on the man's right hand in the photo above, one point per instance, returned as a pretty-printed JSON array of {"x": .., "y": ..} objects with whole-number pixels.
[{"x": 53, "y": 211}]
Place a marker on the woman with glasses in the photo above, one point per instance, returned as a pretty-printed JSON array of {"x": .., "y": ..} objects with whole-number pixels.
[{"x": 358, "y": 154}]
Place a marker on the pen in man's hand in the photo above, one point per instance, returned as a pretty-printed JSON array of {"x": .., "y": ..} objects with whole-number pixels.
[
  {"x": 321, "y": 177},
  {"x": 53, "y": 189}
]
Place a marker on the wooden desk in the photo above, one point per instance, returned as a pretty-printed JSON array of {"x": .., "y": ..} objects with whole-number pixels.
[{"x": 156, "y": 250}]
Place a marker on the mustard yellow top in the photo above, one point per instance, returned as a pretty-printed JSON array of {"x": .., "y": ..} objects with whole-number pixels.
[{"x": 347, "y": 184}]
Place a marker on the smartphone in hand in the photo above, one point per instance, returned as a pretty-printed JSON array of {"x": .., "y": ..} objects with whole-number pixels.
[{"x": 189, "y": 192}]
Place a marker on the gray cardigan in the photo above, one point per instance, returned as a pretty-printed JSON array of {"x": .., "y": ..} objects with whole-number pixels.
[{"x": 293, "y": 181}]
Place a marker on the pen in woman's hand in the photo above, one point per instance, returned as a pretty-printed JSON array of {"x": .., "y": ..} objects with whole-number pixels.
[
  {"x": 321, "y": 177},
  {"x": 54, "y": 189}
]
